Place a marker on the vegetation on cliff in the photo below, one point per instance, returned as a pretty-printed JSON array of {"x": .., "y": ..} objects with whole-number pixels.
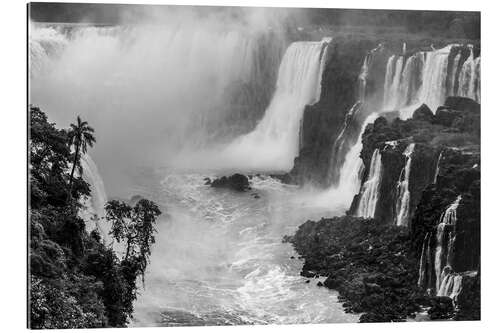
[{"x": 75, "y": 280}]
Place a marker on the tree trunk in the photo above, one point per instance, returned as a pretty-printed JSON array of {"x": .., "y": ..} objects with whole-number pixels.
[{"x": 73, "y": 171}]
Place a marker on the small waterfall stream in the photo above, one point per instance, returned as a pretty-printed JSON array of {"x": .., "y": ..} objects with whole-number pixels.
[
  {"x": 94, "y": 206},
  {"x": 369, "y": 191},
  {"x": 403, "y": 189}
]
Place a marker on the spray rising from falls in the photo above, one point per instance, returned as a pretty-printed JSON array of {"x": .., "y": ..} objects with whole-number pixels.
[
  {"x": 274, "y": 143},
  {"x": 151, "y": 91},
  {"x": 403, "y": 189},
  {"x": 370, "y": 189}
]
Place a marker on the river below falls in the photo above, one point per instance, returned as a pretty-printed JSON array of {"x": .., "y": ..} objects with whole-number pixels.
[{"x": 219, "y": 258}]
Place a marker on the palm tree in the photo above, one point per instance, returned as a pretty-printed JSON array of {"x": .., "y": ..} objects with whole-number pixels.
[{"x": 79, "y": 135}]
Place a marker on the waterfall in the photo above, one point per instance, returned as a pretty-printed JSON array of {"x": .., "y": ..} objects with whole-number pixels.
[
  {"x": 353, "y": 167},
  {"x": 425, "y": 259},
  {"x": 402, "y": 83},
  {"x": 339, "y": 143},
  {"x": 337, "y": 159},
  {"x": 274, "y": 143},
  {"x": 411, "y": 80},
  {"x": 454, "y": 75},
  {"x": 392, "y": 94},
  {"x": 363, "y": 75},
  {"x": 403, "y": 190},
  {"x": 469, "y": 78},
  {"x": 437, "y": 166},
  {"x": 156, "y": 91},
  {"x": 451, "y": 284},
  {"x": 370, "y": 189},
  {"x": 424, "y": 78},
  {"x": 94, "y": 206},
  {"x": 389, "y": 75},
  {"x": 434, "y": 77},
  {"x": 448, "y": 220}
]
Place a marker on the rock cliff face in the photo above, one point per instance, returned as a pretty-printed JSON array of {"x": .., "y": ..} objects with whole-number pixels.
[
  {"x": 354, "y": 85},
  {"x": 455, "y": 127},
  {"x": 340, "y": 91},
  {"x": 428, "y": 207}
]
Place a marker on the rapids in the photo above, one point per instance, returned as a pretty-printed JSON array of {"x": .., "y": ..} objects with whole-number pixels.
[{"x": 219, "y": 258}]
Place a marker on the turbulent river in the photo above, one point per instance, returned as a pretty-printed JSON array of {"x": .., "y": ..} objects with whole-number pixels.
[{"x": 219, "y": 257}]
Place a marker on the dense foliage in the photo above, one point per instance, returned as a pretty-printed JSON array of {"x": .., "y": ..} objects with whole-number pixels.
[{"x": 75, "y": 280}]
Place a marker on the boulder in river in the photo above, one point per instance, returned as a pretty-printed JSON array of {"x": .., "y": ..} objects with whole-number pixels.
[{"x": 236, "y": 182}]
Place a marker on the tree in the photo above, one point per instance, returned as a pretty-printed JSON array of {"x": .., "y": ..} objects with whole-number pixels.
[
  {"x": 135, "y": 227},
  {"x": 79, "y": 135}
]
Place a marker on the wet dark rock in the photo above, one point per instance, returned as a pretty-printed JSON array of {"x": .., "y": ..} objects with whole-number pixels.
[
  {"x": 323, "y": 121},
  {"x": 469, "y": 299},
  {"x": 431, "y": 134},
  {"x": 236, "y": 182},
  {"x": 307, "y": 274},
  {"x": 319, "y": 284},
  {"x": 446, "y": 117},
  {"x": 441, "y": 308},
  {"x": 423, "y": 113},
  {"x": 307, "y": 281},
  {"x": 462, "y": 104},
  {"x": 369, "y": 263}
]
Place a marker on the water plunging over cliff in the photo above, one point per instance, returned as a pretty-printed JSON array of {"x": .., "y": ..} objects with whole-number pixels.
[
  {"x": 369, "y": 191},
  {"x": 403, "y": 189},
  {"x": 445, "y": 237},
  {"x": 94, "y": 206},
  {"x": 274, "y": 143},
  {"x": 339, "y": 155},
  {"x": 425, "y": 77},
  {"x": 469, "y": 80},
  {"x": 436, "y": 174},
  {"x": 154, "y": 91}
]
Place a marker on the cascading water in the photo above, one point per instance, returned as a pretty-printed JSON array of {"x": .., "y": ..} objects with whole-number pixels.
[
  {"x": 94, "y": 206},
  {"x": 434, "y": 77},
  {"x": 392, "y": 90},
  {"x": 274, "y": 143},
  {"x": 425, "y": 262},
  {"x": 154, "y": 91},
  {"x": 436, "y": 174},
  {"x": 425, "y": 78},
  {"x": 447, "y": 221},
  {"x": 370, "y": 190},
  {"x": 454, "y": 75},
  {"x": 403, "y": 189},
  {"x": 339, "y": 148},
  {"x": 469, "y": 78}
]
